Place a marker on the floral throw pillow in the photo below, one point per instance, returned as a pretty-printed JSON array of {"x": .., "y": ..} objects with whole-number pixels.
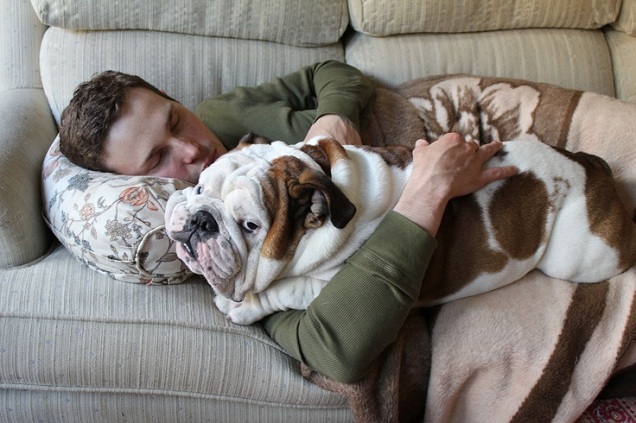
[{"x": 112, "y": 223}]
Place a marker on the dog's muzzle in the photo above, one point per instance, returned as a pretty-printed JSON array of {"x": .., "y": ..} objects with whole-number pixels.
[{"x": 199, "y": 228}]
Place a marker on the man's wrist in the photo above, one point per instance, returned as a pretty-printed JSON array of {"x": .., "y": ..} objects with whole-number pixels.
[
  {"x": 426, "y": 211},
  {"x": 335, "y": 126}
]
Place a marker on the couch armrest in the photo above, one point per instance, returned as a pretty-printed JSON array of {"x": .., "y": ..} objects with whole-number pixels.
[{"x": 26, "y": 132}]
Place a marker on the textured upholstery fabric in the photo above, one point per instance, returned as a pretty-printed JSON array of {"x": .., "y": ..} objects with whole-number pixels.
[
  {"x": 577, "y": 59},
  {"x": 623, "y": 50},
  {"x": 20, "y": 35},
  {"x": 626, "y": 21},
  {"x": 25, "y": 132},
  {"x": 382, "y": 18},
  {"x": 122, "y": 347},
  {"x": 190, "y": 68},
  {"x": 322, "y": 22}
]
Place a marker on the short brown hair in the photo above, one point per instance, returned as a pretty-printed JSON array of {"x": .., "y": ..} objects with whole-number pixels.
[{"x": 94, "y": 108}]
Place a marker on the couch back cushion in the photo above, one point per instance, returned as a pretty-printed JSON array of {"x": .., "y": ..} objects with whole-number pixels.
[
  {"x": 560, "y": 43},
  {"x": 571, "y": 58},
  {"x": 382, "y": 18},
  {"x": 627, "y": 19},
  {"x": 188, "y": 67},
  {"x": 294, "y": 22}
]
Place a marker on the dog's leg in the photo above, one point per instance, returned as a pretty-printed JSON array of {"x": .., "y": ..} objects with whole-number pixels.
[{"x": 286, "y": 294}]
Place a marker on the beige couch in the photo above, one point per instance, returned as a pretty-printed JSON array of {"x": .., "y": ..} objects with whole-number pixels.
[{"x": 76, "y": 345}]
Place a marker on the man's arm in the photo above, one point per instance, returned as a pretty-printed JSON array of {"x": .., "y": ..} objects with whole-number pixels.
[
  {"x": 358, "y": 314},
  {"x": 287, "y": 107}
]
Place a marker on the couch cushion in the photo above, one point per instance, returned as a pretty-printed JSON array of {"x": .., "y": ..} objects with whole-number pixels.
[
  {"x": 77, "y": 346},
  {"x": 627, "y": 18},
  {"x": 381, "y": 18},
  {"x": 623, "y": 49},
  {"x": 112, "y": 223},
  {"x": 294, "y": 22},
  {"x": 190, "y": 68},
  {"x": 578, "y": 59}
]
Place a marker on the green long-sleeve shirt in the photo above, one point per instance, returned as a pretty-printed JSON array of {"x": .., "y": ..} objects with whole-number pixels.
[
  {"x": 285, "y": 108},
  {"x": 358, "y": 314}
]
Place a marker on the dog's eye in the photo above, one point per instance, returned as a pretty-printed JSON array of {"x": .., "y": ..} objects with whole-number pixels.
[
  {"x": 198, "y": 190},
  {"x": 249, "y": 226}
]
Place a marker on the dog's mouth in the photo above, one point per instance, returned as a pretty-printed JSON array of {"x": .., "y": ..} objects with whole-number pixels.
[
  {"x": 207, "y": 250},
  {"x": 188, "y": 249},
  {"x": 199, "y": 228}
]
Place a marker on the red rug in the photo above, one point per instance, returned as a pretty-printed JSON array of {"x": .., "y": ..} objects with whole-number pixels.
[{"x": 621, "y": 410}]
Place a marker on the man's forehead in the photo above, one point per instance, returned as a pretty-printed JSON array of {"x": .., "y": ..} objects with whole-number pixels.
[{"x": 137, "y": 132}]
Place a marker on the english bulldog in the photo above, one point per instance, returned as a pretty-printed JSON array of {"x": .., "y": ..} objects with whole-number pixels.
[{"x": 269, "y": 224}]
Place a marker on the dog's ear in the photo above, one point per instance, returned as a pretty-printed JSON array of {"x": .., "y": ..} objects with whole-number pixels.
[
  {"x": 252, "y": 138},
  {"x": 317, "y": 211},
  {"x": 314, "y": 194},
  {"x": 298, "y": 198},
  {"x": 326, "y": 199}
]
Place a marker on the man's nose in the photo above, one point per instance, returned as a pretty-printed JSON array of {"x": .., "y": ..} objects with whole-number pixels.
[{"x": 189, "y": 151}]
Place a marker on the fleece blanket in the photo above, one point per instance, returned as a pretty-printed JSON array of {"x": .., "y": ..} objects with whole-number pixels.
[{"x": 540, "y": 349}]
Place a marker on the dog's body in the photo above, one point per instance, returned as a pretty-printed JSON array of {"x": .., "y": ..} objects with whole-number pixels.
[{"x": 269, "y": 225}]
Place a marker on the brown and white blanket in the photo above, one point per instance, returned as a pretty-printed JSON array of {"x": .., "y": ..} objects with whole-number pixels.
[{"x": 537, "y": 350}]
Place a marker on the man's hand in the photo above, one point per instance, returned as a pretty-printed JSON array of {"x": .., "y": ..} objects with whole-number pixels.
[
  {"x": 336, "y": 127},
  {"x": 450, "y": 167}
]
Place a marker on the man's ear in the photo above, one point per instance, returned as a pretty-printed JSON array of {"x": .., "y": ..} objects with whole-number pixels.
[{"x": 252, "y": 138}]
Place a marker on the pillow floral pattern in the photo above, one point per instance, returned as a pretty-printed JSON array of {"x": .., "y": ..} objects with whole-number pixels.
[{"x": 112, "y": 223}]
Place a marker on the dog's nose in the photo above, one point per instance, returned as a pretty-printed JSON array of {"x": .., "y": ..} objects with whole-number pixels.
[
  {"x": 204, "y": 223},
  {"x": 200, "y": 227}
]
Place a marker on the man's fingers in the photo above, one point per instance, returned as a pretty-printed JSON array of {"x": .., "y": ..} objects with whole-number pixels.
[
  {"x": 497, "y": 173},
  {"x": 490, "y": 149},
  {"x": 421, "y": 142}
]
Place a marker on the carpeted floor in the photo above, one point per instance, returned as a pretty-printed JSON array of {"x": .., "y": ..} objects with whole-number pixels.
[{"x": 621, "y": 410}]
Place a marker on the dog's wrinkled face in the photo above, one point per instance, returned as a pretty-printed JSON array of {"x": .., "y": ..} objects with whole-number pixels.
[{"x": 240, "y": 225}]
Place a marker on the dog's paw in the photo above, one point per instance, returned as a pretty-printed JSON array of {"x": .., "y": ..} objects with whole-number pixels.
[
  {"x": 244, "y": 313},
  {"x": 225, "y": 305}
]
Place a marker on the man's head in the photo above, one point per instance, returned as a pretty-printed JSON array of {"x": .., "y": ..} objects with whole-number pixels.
[{"x": 120, "y": 123}]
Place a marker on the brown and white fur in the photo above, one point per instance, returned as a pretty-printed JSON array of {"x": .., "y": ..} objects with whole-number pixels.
[{"x": 269, "y": 225}]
